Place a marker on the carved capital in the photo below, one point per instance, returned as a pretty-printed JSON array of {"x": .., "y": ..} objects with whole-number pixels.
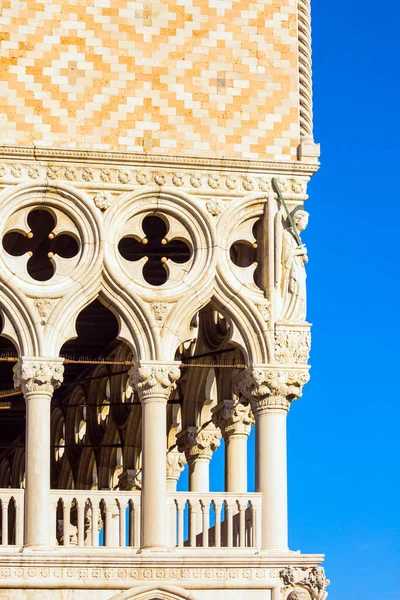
[
  {"x": 232, "y": 417},
  {"x": 299, "y": 579},
  {"x": 154, "y": 379},
  {"x": 176, "y": 462},
  {"x": 42, "y": 375},
  {"x": 198, "y": 443},
  {"x": 269, "y": 388}
]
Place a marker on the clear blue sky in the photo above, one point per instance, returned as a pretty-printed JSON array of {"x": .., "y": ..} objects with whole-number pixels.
[{"x": 344, "y": 475}]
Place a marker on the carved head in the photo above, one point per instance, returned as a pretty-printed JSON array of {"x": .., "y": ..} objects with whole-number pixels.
[
  {"x": 298, "y": 595},
  {"x": 300, "y": 219}
]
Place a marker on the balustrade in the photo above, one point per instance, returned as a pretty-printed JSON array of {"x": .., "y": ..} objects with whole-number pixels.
[
  {"x": 11, "y": 517},
  {"x": 215, "y": 520}
]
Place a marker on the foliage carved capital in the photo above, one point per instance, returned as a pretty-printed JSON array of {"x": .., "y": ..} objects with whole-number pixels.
[
  {"x": 198, "y": 443},
  {"x": 41, "y": 375},
  {"x": 233, "y": 418},
  {"x": 268, "y": 388},
  {"x": 154, "y": 379},
  {"x": 176, "y": 462}
]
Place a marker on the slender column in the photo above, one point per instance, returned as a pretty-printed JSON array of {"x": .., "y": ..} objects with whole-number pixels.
[
  {"x": 198, "y": 445},
  {"x": 176, "y": 462},
  {"x": 271, "y": 390},
  {"x": 154, "y": 383},
  {"x": 38, "y": 378},
  {"x": 234, "y": 420}
]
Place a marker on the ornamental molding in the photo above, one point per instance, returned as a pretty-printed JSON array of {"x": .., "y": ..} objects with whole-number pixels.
[
  {"x": 100, "y": 179},
  {"x": 313, "y": 581},
  {"x": 271, "y": 388},
  {"x": 292, "y": 346},
  {"x": 38, "y": 375},
  {"x": 198, "y": 443},
  {"x": 233, "y": 418},
  {"x": 109, "y": 158},
  {"x": 153, "y": 380}
]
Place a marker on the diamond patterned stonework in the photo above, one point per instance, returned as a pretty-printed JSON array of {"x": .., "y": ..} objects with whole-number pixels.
[{"x": 186, "y": 77}]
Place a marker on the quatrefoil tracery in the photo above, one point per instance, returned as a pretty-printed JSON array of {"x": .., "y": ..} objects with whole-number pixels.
[
  {"x": 42, "y": 243},
  {"x": 155, "y": 248}
]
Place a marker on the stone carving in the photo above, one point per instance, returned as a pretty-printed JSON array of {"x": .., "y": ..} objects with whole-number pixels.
[
  {"x": 154, "y": 380},
  {"x": 265, "y": 310},
  {"x": 103, "y": 200},
  {"x": 87, "y": 174},
  {"x": 198, "y": 443},
  {"x": 292, "y": 346},
  {"x": 195, "y": 180},
  {"x": 124, "y": 176},
  {"x": 54, "y": 172},
  {"x": 33, "y": 172},
  {"x": 215, "y": 207},
  {"x": 231, "y": 182},
  {"x": 298, "y": 595},
  {"x": 271, "y": 389},
  {"x": 214, "y": 181},
  {"x": 36, "y": 375},
  {"x": 294, "y": 257},
  {"x": 16, "y": 171},
  {"x": 305, "y": 78},
  {"x": 106, "y": 175},
  {"x": 176, "y": 462},
  {"x": 312, "y": 580},
  {"x": 71, "y": 173},
  {"x": 177, "y": 180},
  {"x": 248, "y": 183},
  {"x": 44, "y": 307},
  {"x": 233, "y": 417},
  {"x": 160, "y": 178},
  {"x": 298, "y": 186},
  {"x": 160, "y": 310},
  {"x": 142, "y": 178},
  {"x": 3, "y": 171}
]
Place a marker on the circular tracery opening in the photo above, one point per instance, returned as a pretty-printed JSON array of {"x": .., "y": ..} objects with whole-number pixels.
[
  {"x": 156, "y": 247},
  {"x": 41, "y": 243}
]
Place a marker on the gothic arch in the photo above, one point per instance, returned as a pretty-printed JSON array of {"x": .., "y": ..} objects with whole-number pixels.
[{"x": 157, "y": 592}]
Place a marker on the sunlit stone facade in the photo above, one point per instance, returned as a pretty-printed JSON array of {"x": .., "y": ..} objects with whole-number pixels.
[{"x": 154, "y": 162}]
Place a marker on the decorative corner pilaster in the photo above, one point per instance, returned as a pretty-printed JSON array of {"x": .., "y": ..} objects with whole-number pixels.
[
  {"x": 43, "y": 375},
  {"x": 176, "y": 462},
  {"x": 299, "y": 581},
  {"x": 271, "y": 388},
  {"x": 198, "y": 443},
  {"x": 233, "y": 418},
  {"x": 154, "y": 379}
]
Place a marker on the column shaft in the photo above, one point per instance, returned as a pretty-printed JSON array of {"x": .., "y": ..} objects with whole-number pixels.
[
  {"x": 199, "y": 475},
  {"x": 154, "y": 478},
  {"x": 271, "y": 478},
  {"x": 236, "y": 463}
]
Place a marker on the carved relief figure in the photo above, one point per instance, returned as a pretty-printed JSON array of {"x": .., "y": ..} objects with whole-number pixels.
[{"x": 294, "y": 257}]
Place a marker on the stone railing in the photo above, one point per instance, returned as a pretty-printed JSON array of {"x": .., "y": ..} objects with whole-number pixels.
[
  {"x": 11, "y": 517},
  {"x": 215, "y": 520},
  {"x": 96, "y": 518}
]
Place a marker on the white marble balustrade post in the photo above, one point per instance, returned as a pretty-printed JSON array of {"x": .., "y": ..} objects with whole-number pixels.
[
  {"x": 271, "y": 391},
  {"x": 37, "y": 378},
  {"x": 234, "y": 419},
  {"x": 154, "y": 382}
]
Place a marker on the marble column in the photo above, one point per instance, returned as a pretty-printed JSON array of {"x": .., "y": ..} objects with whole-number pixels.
[
  {"x": 198, "y": 445},
  {"x": 271, "y": 391},
  {"x": 37, "y": 378},
  {"x": 154, "y": 382},
  {"x": 234, "y": 419}
]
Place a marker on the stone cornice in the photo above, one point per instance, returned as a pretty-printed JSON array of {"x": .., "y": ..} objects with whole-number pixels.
[{"x": 109, "y": 158}]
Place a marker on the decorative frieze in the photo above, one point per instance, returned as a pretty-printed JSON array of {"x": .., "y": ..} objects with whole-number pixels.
[
  {"x": 198, "y": 443},
  {"x": 38, "y": 375},
  {"x": 271, "y": 389}
]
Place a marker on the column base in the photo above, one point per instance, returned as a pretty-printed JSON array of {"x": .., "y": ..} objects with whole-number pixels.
[{"x": 153, "y": 550}]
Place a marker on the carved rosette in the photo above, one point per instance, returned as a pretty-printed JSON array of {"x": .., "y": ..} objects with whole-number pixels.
[
  {"x": 198, "y": 443},
  {"x": 271, "y": 389},
  {"x": 38, "y": 375},
  {"x": 233, "y": 417},
  {"x": 154, "y": 380},
  {"x": 305, "y": 580},
  {"x": 176, "y": 462}
]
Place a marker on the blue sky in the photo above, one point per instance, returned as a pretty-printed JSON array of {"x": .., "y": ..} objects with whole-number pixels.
[{"x": 344, "y": 485}]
